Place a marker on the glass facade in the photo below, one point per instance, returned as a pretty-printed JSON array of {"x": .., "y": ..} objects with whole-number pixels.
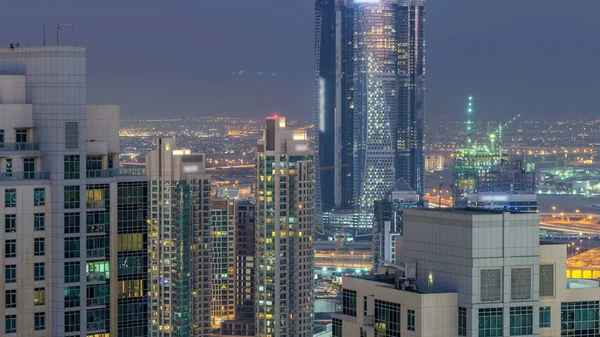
[
  {"x": 387, "y": 319},
  {"x": 491, "y": 322},
  {"x": 132, "y": 208},
  {"x": 580, "y": 318},
  {"x": 349, "y": 302},
  {"x": 521, "y": 321},
  {"x": 545, "y": 317}
]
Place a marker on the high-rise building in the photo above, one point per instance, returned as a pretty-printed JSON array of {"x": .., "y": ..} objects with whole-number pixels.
[
  {"x": 388, "y": 221},
  {"x": 284, "y": 232},
  {"x": 470, "y": 272},
  {"x": 180, "y": 287},
  {"x": 378, "y": 101},
  {"x": 75, "y": 221},
  {"x": 223, "y": 233}
]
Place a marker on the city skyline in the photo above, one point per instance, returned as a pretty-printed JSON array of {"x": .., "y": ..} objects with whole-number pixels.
[{"x": 462, "y": 61}]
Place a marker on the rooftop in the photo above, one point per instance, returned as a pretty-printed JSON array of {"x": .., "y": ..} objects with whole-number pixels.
[{"x": 468, "y": 210}]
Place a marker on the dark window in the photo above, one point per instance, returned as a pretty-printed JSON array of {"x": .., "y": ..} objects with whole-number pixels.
[
  {"x": 10, "y": 223},
  {"x": 39, "y": 222},
  {"x": 491, "y": 322},
  {"x": 521, "y": 321},
  {"x": 39, "y": 197},
  {"x": 72, "y": 223},
  {"x": 10, "y": 248},
  {"x": 462, "y": 321},
  {"x": 72, "y": 272},
  {"x": 10, "y": 298},
  {"x": 40, "y": 321},
  {"x": 72, "y": 248},
  {"x": 29, "y": 168},
  {"x": 72, "y": 167},
  {"x": 10, "y": 273},
  {"x": 72, "y": 197},
  {"x": 580, "y": 318},
  {"x": 39, "y": 247},
  {"x": 72, "y": 297},
  {"x": 21, "y": 135},
  {"x": 349, "y": 302},
  {"x": 39, "y": 272},
  {"x": 10, "y": 322},
  {"x": 10, "y": 197},
  {"x": 72, "y": 321},
  {"x": 387, "y": 318},
  {"x": 545, "y": 317},
  {"x": 410, "y": 325}
]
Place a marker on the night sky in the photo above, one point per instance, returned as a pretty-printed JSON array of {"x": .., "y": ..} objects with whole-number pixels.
[{"x": 184, "y": 57}]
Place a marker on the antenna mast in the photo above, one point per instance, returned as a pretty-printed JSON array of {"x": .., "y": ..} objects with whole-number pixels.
[{"x": 469, "y": 127}]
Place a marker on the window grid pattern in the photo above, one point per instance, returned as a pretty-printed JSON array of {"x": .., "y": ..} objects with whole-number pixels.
[
  {"x": 72, "y": 321},
  {"x": 580, "y": 319},
  {"x": 72, "y": 223},
  {"x": 39, "y": 222},
  {"x": 40, "y": 321},
  {"x": 39, "y": 196},
  {"x": 72, "y": 167},
  {"x": 39, "y": 247},
  {"x": 387, "y": 319},
  {"x": 72, "y": 196},
  {"x": 462, "y": 321},
  {"x": 546, "y": 280},
  {"x": 545, "y": 317},
  {"x": 337, "y": 328},
  {"x": 10, "y": 299},
  {"x": 490, "y": 322},
  {"x": 349, "y": 302},
  {"x": 10, "y": 248},
  {"x": 39, "y": 271},
  {"x": 10, "y": 223},
  {"x": 10, "y": 197},
  {"x": 411, "y": 318},
  {"x": 10, "y": 322},
  {"x": 520, "y": 284},
  {"x": 491, "y": 285},
  {"x": 10, "y": 274},
  {"x": 521, "y": 321}
]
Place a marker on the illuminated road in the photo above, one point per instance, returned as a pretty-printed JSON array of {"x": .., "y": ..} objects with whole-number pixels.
[{"x": 328, "y": 259}]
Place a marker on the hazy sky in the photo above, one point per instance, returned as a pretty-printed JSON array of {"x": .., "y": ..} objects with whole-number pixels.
[{"x": 160, "y": 57}]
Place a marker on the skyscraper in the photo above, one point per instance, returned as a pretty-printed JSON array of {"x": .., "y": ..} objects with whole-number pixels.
[
  {"x": 179, "y": 242},
  {"x": 377, "y": 106},
  {"x": 284, "y": 230},
  {"x": 74, "y": 235}
]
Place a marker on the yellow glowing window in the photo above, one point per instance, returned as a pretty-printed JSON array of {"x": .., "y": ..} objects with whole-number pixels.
[
  {"x": 127, "y": 242},
  {"x": 129, "y": 289}
]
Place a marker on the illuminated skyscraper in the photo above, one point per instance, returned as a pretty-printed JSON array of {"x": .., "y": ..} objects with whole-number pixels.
[
  {"x": 378, "y": 104},
  {"x": 179, "y": 242},
  {"x": 284, "y": 229}
]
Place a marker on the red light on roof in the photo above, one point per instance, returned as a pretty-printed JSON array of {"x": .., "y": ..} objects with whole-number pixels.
[{"x": 276, "y": 115}]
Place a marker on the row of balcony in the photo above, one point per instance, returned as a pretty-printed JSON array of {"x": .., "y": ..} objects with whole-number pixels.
[{"x": 108, "y": 173}]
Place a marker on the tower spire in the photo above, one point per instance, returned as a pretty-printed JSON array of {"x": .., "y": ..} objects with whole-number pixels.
[{"x": 469, "y": 126}]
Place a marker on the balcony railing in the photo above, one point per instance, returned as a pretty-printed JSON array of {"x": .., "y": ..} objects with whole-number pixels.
[
  {"x": 115, "y": 172},
  {"x": 97, "y": 253},
  {"x": 95, "y": 301},
  {"x": 16, "y": 176},
  {"x": 98, "y": 276},
  {"x": 19, "y": 147},
  {"x": 93, "y": 326}
]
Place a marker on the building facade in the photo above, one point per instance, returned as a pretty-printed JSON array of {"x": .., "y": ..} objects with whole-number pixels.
[
  {"x": 223, "y": 237},
  {"x": 284, "y": 232},
  {"x": 377, "y": 104},
  {"x": 180, "y": 287},
  {"x": 62, "y": 203},
  {"x": 471, "y": 272}
]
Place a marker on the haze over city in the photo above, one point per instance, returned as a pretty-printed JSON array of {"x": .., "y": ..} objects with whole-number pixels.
[{"x": 162, "y": 58}]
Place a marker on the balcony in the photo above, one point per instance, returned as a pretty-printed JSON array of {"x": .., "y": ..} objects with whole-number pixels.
[
  {"x": 108, "y": 173},
  {"x": 19, "y": 147},
  {"x": 94, "y": 326},
  {"x": 97, "y": 253},
  {"x": 98, "y": 276},
  {"x": 97, "y": 301},
  {"x": 18, "y": 176}
]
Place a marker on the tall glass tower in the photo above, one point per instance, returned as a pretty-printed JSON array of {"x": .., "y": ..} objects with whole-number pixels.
[{"x": 377, "y": 106}]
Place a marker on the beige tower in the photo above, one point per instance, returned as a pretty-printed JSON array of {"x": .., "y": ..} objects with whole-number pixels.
[{"x": 284, "y": 228}]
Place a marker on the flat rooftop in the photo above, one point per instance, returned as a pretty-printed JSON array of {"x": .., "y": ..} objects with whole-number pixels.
[{"x": 467, "y": 210}]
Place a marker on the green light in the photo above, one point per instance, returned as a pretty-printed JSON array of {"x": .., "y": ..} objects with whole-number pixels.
[{"x": 470, "y": 110}]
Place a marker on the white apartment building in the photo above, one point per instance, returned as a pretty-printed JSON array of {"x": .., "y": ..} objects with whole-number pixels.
[
  {"x": 179, "y": 242},
  {"x": 284, "y": 230},
  {"x": 471, "y": 272},
  {"x": 61, "y": 181}
]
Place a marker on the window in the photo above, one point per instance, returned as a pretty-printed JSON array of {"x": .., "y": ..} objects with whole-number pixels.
[
  {"x": 546, "y": 280},
  {"x": 580, "y": 318},
  {"x": 349, "y": 302},
  {"x": 72, "y": 321},
  {"x": 72, "y": 197},
  {"x": 521, "y": 321},
  {"x": 462, "y": 321},
  {"x": 39, "y": 196},
  {"x": 39, "y": 321},
  {"x": 39, "y": 247},
  {"x": 337, "y": 327},
  {"x": 387, "y": 319},
  {"x": 10, "y": 223},
  {"x": 410, "y": 325},
  {"x": 10, "y": 248},
  {"x": 97, "y": 221},
  {"x": 39, "y": 272},
  {"x": 72, "y": 222},
  {"x": 10, "y": 197},
  {"x": 520, "y": 283},
  {"x": 10, "y": 322},
  {"x": 72, "y": 168},
  {"x": 39, "y": 296},
  {"x": 21, "y": 135},
  {"x": 10, "y": 298},
  {"x": 545, "y": 317},
  {"x": 10, "y": 273},
  {"x": 9, "y": 166},
  {"x": 72, "y": 272},
  {"x": 29, "y": 168},
  {"x": 97, "y": 196},
  {"x": 93, "y": 166},
  {"x": 72, "y": 248},
  {"x": 72, "y": 297},
  {"x": 491, "y": 285},
  {"x": 490, "y": 322},
  {"x": 1, "y": 138},
  {"x": 39, "y": 222}
]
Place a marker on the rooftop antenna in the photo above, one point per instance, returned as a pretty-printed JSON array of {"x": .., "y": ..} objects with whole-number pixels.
[
  {"x": 58, "y": 27},
  {"x": 44, "y": 33}
]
